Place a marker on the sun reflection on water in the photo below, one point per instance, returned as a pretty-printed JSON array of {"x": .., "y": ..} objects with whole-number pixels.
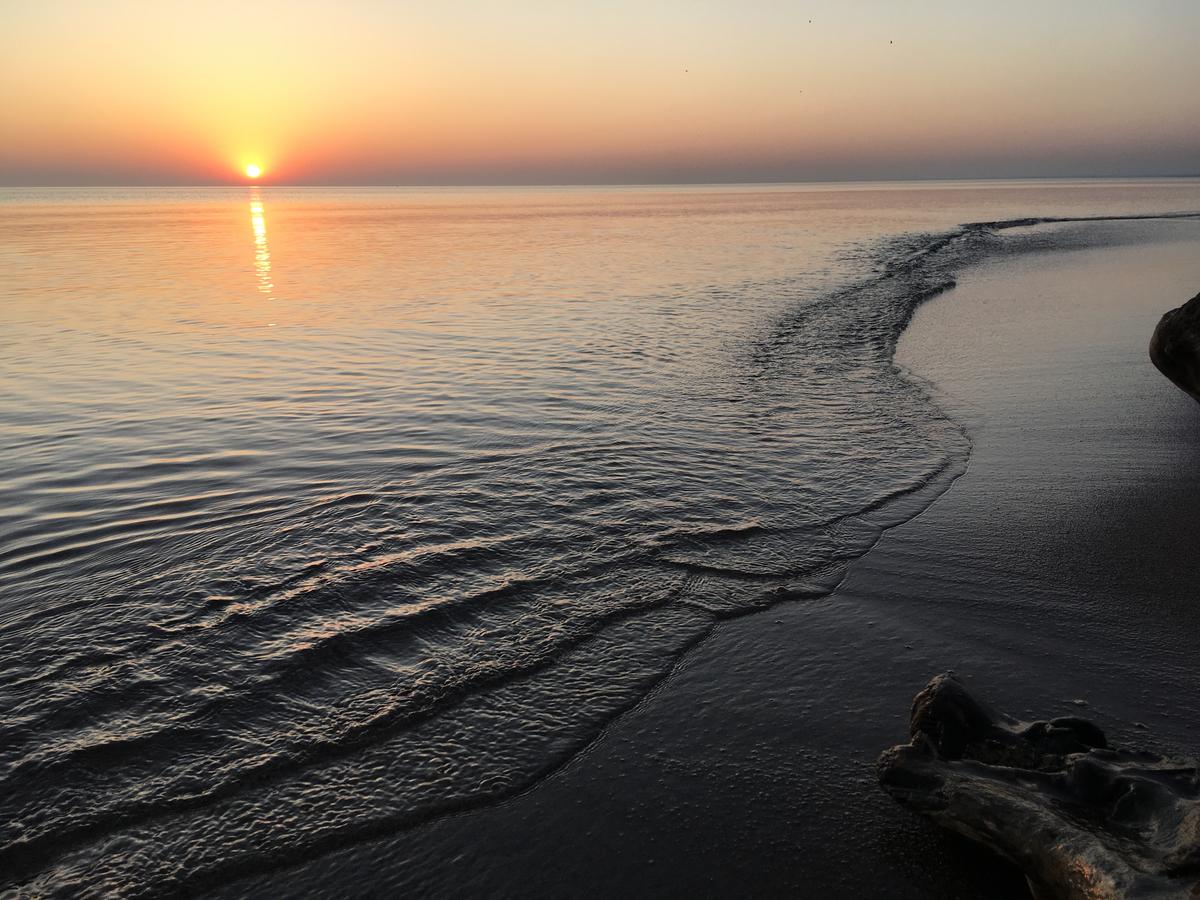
[{"x": 262, "y": 253}]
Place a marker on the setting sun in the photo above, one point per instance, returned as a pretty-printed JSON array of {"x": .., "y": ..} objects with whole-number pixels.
[{"x": 253, "y": 171}]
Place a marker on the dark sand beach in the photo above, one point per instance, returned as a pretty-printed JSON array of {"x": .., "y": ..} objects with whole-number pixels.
[{"x": 1057, "y": 576}]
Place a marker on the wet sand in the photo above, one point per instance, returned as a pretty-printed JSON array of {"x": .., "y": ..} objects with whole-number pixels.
[{"x": 1057, "y": 576}]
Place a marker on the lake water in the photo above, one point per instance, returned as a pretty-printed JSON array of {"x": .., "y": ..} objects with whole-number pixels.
[{"x": 324, "y": 512}]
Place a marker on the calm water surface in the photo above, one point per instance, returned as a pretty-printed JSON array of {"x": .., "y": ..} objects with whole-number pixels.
[{"x": 323, "y": 512}]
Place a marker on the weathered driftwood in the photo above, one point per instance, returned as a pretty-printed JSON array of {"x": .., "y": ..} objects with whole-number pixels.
[
  {"x": 1175, "y": 346},
  {"x": 1080, "y": 819}
]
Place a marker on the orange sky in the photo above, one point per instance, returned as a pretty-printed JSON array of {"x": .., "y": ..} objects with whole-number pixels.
[{"x": 365, "y": 91}]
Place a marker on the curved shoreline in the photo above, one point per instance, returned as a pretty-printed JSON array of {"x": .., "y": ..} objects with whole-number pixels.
[
  {"x": 898, "y": 505},
  {"x": 833, "y": 677},
  {"x": 682, "y": 661}
]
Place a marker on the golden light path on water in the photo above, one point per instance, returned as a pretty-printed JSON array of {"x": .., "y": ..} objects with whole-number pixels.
[{"x": 262, "y": 252}]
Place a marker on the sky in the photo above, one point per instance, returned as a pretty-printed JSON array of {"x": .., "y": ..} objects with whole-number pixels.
[{"x": 567, "y": 91}]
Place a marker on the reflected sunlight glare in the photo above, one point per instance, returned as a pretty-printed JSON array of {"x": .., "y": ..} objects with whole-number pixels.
[{"x": 262, "y": 253}]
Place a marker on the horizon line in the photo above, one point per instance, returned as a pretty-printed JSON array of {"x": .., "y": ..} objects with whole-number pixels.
[{"x": 598, "y": 184}]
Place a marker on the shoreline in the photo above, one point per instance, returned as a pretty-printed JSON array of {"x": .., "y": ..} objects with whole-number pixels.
[{"x": 860, "y": 616}]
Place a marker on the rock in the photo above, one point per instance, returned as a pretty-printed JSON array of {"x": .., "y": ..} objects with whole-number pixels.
[
  {"x": 1175, "y": 346},
  {"x": 1083, "y": 821}
]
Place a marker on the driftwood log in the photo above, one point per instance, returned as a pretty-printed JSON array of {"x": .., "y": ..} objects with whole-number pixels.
[{"x": 1080, "y": 819}]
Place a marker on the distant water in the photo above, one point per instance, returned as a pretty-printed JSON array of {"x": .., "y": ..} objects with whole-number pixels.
[{"x": 324, "y": 512}]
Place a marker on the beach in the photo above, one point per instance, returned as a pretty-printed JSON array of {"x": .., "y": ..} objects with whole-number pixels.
[
  {"x": 494, "y": 541},
  {"x": 1055, "y": 577}
]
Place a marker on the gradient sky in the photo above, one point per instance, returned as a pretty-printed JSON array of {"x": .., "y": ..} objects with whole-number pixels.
[{"x": 559, "y": 91}]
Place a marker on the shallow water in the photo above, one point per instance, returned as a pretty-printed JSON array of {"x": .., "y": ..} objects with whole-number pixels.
[{"x": 325, "y": 512}]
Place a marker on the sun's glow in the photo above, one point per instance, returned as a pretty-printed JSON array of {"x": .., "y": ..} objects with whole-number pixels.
[{"x": 253, "y": 171}]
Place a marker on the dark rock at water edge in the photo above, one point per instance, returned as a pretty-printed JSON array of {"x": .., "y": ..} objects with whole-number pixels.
[
  {"x": 1082, "y": 820},
  {"x": 1175, "y": 346}
]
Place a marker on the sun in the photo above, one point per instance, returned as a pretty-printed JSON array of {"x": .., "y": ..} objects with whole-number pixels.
[{"x": 253, "y": 171}]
